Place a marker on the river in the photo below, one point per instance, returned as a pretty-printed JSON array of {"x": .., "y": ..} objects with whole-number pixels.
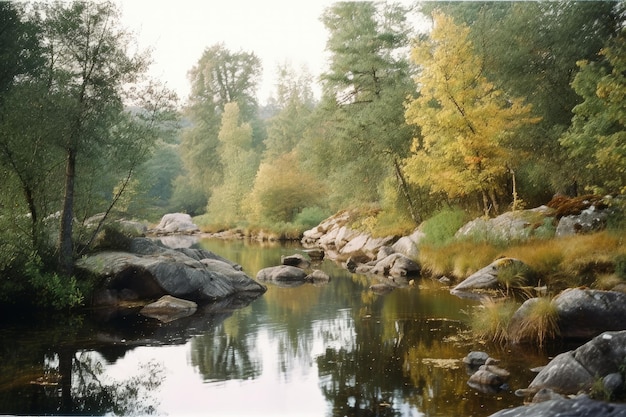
[{"x": 336, "y": 349}]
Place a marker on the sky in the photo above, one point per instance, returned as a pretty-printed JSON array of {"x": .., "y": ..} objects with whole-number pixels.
[{"x": 277, "y": 31}]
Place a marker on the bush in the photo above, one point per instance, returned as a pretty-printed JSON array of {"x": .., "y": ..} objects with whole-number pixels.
[
  {"x": 50, "y": 290},
  {"x": 310, "y": 217},
  {"x": 440, "y": 228}
]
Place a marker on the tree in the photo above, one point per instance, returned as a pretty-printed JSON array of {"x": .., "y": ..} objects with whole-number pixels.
[
  {"x": 597, "y": 137},
  {"x": 281, "y": 190},
  {"x": 220, "y": 77},
  {"x": 361, "y": 132},
  {"x": 465, "y": 121},
  {"x": 240, "y": 162},
  {"x": 530, "y": 49}
]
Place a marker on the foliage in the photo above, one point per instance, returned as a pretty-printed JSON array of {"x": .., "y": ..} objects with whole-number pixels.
[
  {"x": 239, "y": 162},
  {"x": 597, "y": 136},
  {"x": 440, "y": 228},
  {"x": 310, "y": 217},
  {"x": 465, "y": 121},
  {"x": 281, "y": 190},
  {"x": 360, "y": 131},
  {"x": 220, "y": 77},
  {"x": 49, "y": 290}
]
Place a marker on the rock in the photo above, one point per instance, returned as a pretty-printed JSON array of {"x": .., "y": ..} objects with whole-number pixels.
[
  {"x": 407, "y": 245},
  {"x": 581, "y": 406},
  {"x": 168, "y": 308},
  {"x": 297, "y": 260},
  {"x": 512, "y": 225},
  {"x": 317, "y": 277},
  {"x": 613, "y": 384},
  {"x": 485, "y": 377},
  {"x": 545, "y": 394},
  {"x": 315, "y": 254},
  {"x": 383, "y": 252},
  {"x": 588, "y": 220},
  {"x": 178, "y": 241},
  {"x": 575, "y": 371},
  {"x": 176, "y": 223},
  {"x": 487, "y": 277},
  {"x": 585, "y": 313},
  {"x": 355, "y": 244},
  {"x": 151, "y": 271},
  {"x": 282, "y": 273},
  {"x": 396, "y": 265},
  {"x": 476, "y": 358}
]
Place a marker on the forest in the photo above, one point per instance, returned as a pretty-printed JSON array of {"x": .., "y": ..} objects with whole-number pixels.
[{"x": 493, "y": 106}]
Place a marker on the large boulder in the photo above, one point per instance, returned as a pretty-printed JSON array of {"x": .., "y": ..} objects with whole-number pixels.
[
  {"x": 396, "y": 265},
  {"x": 151, "y": 271},
  {"x": 581, "y": 406},
  {"x": 512, "y": 225},
  {"x": 176, "y": 223},
  {"x": 576, "y": 370},
  {"x": 585, "y": 313}
]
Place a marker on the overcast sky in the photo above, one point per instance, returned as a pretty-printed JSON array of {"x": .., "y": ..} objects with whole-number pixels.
[{"x": 178, "y": 32}]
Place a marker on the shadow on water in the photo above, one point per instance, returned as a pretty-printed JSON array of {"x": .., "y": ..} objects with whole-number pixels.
[{"x": 337, "y": 350}]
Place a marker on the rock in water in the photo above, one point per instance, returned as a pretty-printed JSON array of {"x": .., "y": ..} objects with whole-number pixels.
[
  {"x": 581, "y": 406},
  {"x": 168, "y": 308}
]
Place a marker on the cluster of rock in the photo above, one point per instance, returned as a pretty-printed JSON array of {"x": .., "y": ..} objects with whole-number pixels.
[
  {"x": 485, "y": 375},
  {"x": 293, "y": 271},
  {"x": 361, "y": 253},
  {"x": 148, "y": 270},
  {"x": 175, "y": 223},
  {"x": 563, "y": 385},
  {"x": 562, "y": 216}
]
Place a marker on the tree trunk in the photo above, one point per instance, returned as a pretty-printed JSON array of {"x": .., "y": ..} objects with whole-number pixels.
[
  {"x": 405, "y": 190},
  {"x": 66, "y": 247}
]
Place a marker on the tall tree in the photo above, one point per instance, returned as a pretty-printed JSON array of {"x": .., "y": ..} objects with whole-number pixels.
[
  {"x": 363, "y": 94},
  {"x": 597, "y": 137},
  {"x": 90, "y": 62},
  {"x": 240, "y": 162},
  {"x": 220, "y": 77},
  {"x": 465, "y": 121}
]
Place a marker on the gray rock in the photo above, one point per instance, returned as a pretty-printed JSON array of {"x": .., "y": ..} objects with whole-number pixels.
[
  {"x": 476, "y": 358},
  {"x": 396, "y": 265},
  {"x": 176, "y": 223},
  {"x": 487, "y": 277},
  {"x": 589, "y": 220},
  {"x": 168, "y": 308},
  {"x": 613, "y": 384},
  {"x": 281, "y": 273},
  {"x": 581, "y": 406},
  {"x": 512, "y": 225},
  {"x": 575, "y": 371},
  {"x": 317, "y": 277},
  {"x": 585, "y": 313},
  {"x": 152, "y": 271}
]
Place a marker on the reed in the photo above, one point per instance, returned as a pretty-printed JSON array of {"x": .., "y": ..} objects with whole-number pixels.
[
  {"x": 539, "y": 323},
  {"x": 491, "y": 320}
]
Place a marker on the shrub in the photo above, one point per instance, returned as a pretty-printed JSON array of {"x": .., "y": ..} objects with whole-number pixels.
[
  {"x": 440, "y": 228},
  {"x": 51, "y": 290},
  {"x": 311, "y": 216}
]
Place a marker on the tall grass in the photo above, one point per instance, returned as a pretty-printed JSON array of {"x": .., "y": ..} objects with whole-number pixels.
[
  {"x": 491, "y": 320},
  {"x": 538, "y": 323},
  {"x": 458, "y": 259}
]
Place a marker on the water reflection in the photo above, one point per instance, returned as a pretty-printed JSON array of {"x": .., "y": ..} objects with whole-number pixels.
[{"x": 331, "y": 350}]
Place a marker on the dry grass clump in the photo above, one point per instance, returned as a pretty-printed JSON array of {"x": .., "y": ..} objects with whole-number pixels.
[
  {"x": 538, "y": 323},
  {"x": 491, "y": 320},
  {"x": 458, "y": 259},
  {"x": 607, "y": 282}
]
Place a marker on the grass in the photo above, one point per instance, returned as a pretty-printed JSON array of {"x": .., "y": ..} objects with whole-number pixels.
[
  {"x": 457, "y": 259},
  {"x": 491, "y": 320},
  {"x": 538, "y": 324}
]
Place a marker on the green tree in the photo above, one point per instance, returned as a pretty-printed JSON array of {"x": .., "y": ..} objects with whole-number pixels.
[
  {"x": 597, "y": 137},
  {"x": 220, "y": 77},
  {"x": 240, "y": 162},
  {"x": 465, "y": 121},
  {"x": 360, "y": 130}
]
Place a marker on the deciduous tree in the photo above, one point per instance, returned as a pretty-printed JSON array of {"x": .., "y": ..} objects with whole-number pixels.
[{"x": 465, "y": 121}]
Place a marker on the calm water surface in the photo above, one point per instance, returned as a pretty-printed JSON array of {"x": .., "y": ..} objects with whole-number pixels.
[{"x": 330, "y": 350}]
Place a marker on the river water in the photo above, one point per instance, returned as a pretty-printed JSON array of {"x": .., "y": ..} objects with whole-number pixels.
[{"x": 336, "y": 349}]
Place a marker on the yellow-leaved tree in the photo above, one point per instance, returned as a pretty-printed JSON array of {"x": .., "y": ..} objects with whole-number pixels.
[{"x": 465, "y": 122}]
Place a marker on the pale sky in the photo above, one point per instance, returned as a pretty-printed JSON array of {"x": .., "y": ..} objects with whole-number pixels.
[{"x": 277, "y": 31}]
